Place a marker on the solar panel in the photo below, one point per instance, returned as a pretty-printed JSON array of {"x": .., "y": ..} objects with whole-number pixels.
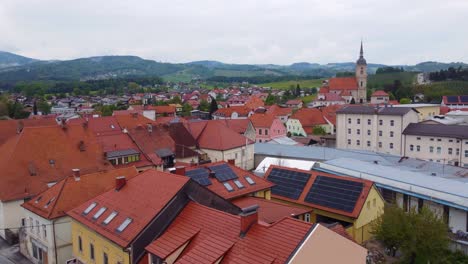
[
  {"x": 335, "y": 193},
  {"x": 452, "y": 99},
  {"x": 289, "y": 183},
  {"x": 199, "y": 175},
  {"x": 464, "y": 98},
  {"x": 223, "y": 172}
]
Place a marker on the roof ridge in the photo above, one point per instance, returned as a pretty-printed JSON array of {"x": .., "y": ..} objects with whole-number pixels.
[{"x": 65, "y": 180}]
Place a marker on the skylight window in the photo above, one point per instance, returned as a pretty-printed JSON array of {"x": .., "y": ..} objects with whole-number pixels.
[
  {"x": 99, "y": 213},
  {"x": 249, "y": 180},
  {"x": 90, "y": 207},
  {"x": 109, "y": 218},
  {"x": 239, "y": 184},
  {"x": 228, "y": 186},
  {"x": 124, "y": 225},
  {"x": 112, "y": 126},
  {"x": 38, "y": 199},
  {"x": 48, "y": 203}
]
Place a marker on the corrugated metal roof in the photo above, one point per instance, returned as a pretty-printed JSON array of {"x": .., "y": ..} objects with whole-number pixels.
[{"x": 437, "y": 130}]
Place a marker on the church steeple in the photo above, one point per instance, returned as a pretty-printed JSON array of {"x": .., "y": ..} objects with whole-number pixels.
[
  {"x": 362, "y": 52},
  {"x": 361, "y": 60}
]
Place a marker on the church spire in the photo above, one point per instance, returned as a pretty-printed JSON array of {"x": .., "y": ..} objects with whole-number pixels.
[
  {"x": 361, "y": 55},
  {"x": 361, "y": 60}
]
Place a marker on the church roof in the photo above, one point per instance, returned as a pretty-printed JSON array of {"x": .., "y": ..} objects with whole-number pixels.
[{"x": 343, "y": 83}]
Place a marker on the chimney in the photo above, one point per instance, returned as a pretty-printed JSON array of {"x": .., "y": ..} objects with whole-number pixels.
[
  {"x": 212, "y": 174},
  {"x": 150, "y": 128},
  {"x": 76, "y": 174},
  {"x": 180, "y": 170},
  {"x": 120, "y": 182},
  {"x": 232, "y": 162},
  {"x": 249, "y": 216},
  {"x": 63, "y": 123}
]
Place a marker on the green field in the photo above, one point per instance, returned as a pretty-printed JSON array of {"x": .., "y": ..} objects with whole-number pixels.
[
  {"x": 380, "y": 80},
  {"x": 287, "y": 84}
]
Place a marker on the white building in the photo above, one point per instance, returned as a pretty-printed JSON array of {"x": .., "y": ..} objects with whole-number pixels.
[{"x": 373, "y": 129}]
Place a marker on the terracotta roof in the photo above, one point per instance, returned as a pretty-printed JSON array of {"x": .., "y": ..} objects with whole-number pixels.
[
  {"x": 305, "y": 190},
  {"x": 164, "y": 109},
  {"x": 132, "y": 120},
  {"x": 41, "y": 155},
  {"x": 214, "y": 235},
  {"x": 217, "y": 136},
  {"x": 379, "y": 93},
  {"x": 339, "y": 229},
  {"x": 444, "y": 110},
  {"x": 332, "y": 97},
  {"x": 69, "y": 192},
  {"x": 279, "y": 111},
  {"x": 254, "y": 102},
  {"x": 8, "y": 128},
  {"x": 324, "y": 90},
  {"x": 228, "y": 111},
  {"x": 262, "y": 120},
  {"x": 238, "y": 125},
  {"x": 141, "y": 199},
  {"x": 270, "y": 211},
  {"x": 293, "y": 102},
  {"x": 329, "y": 112},
  {"x": 309, "y": 118},
  {"x": 343, "y": 83},
  {"x": 219, "y": 188}
]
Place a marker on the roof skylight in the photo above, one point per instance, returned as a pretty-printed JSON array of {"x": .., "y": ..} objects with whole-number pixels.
[
  {"x": 99, "y": 212},
  {"x": 249, "y": 180},
  {"x": 38, "y": 199},
  {"x": 109, "y": 218},
  {"x": 228, "y": 186},
  {"x": 89, "y": 208},
  {"x": 239, "y": 184},
  {"x": 124, "y": 225},
  {"x": 48, "y": 203}
]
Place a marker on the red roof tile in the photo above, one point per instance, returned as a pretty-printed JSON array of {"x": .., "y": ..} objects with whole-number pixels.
[
  {"x": 293, "y": 102},
  {"x": 9, "y": 128},
  {"x": 215, "y": 135},
  {"x": 254, "y": 102},
  {"x": 278, "y": 111},
  {"x": 132, "y": 120},
  {"x": 238, "y": 125},
  {"x": 309, "y": 117},
  {"x": 262, "y": 120},
  {"x": 379, "y": 93},
  {"x": 339, "y": 229},
  {"x": 69, "y": 192},
  {"x": 228, "y": 111},
  {"x": 141, "y": 199},
  {"x": 343, "y": 83}
]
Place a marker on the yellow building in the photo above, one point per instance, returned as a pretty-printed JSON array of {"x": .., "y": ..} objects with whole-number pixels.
[
  {"x": 354, "y": 203},
  {"x": 426, "y": 111}
]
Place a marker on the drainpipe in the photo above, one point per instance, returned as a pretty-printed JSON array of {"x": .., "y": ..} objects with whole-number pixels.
[{"x": 55, "y": 241}]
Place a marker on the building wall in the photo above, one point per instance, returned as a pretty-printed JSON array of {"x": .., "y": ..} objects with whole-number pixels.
[
  {"x": 379, "y": 99},
  {"x": 276, "y": 130},
  {"x": 294, "y": 126},
  {"x": 245, "y": 161},
  {"x": 11, "y": 214},
  {"x": 420, "y": 147},
  {"x": 114, "y": 252},
  {"x": 457, "y": 219}
]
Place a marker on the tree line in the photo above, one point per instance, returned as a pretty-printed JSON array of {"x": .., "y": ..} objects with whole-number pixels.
[{"x": 459, "y": 74}]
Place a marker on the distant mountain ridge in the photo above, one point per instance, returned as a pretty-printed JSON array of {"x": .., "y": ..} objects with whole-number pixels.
[{"x": 15, "y": 68}]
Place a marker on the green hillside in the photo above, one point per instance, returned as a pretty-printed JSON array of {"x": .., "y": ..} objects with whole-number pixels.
[
  {"x": 436, "y": 90},
  {"x": 287, "y": 84},
  {"x": 378, "y": 81}
]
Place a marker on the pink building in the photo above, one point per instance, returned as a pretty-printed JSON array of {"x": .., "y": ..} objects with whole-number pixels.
[{"x": 267, "y": 127}]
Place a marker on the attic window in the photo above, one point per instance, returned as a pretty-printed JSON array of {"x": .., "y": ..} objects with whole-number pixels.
[
  {"x": 124, "y": 225},
  {"x": 239, "y": 184},
  {"x": 249, "y": 180},
  {"x": 99, "y": 213},
  {"x": 90, "y": 207},
  {"x": 48, "y": 203},
  {"x": 109, "y": 218},
  {"x": 112, "y": 126},
  {"x": 38, "y": 199},
  {"x": 228, "y": 186}
]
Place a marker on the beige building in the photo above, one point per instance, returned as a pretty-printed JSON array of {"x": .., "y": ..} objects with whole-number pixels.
[
  {"x": 426, "y": 111},
  {"x": 447, "y": 144},
  {"x": 373, "y": 129}
]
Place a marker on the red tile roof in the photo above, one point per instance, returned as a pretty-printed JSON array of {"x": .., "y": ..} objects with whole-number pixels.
[
  {"x": 270, "y": 211},
  {"x": 332, "y": 97},
  {"x": 228, "y": 111},
  {"x": 379, "y": 93},
  {"x": 262, "y": 120},
  {"x": 40, "y": 155},
  {"x": 339, "y": 229},
  {"x": 309, "y": 118},
  {"x": 254, "y": 102},
  {"x": 218, "y": 187},
  {"x": 214, "y": 234},
  {"x": 343, "y": 83},
  {"x": 367, "y": 185},
  {"x": 238, "y": 125},
  {"x": 329, "y": 112},
  {"x": 217, "y": 136},
  {"x": 444, "y": 110},
  {"x": 69, "y": 192},
  {"x": 132, "y": 120},
  {"x": 9, "y": 128},
  {"x": 324, "y": 90},
  {"x": 278, "y": 111},
  {"x": 141, "y": 199},
  {"x": 293, "y": 102}
]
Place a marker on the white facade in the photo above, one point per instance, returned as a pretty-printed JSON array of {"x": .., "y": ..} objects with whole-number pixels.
[
  {"x": 381, "y": 99},
  {"x": 243, "y": 156},
  {"x": 294, "y": 127},
  {"x": 11, "y": 214}
]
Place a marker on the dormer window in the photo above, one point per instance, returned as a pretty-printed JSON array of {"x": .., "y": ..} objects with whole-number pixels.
[
  {"x": 99, "y": 213},
  {"x": 50, "y": 201},
  {"x": 89, "y": 208},
  {"x": 124, "y": 225},
  {"x": 110, "y": 218}
]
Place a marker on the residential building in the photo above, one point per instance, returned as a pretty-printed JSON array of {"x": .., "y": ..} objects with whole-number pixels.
[
  {"x": 447, "y": 144},
  {"x": 233, "y": 112},
  {"x": 380, "y": 97},
  {"x": 304, "y": 120},
  {"x": 373, "y": 128},
  {"x": 425, "y": 111},
  {"x": 326, "y": 99},
  {"x": 455, "y": 101},
  {"x": 282, "y": 113},
  {"x": 46, "y": 235},
  {"x": 294, "y": 104},
  {"x": 355, "y": 203},
  {"x": 266, "y": 127}
]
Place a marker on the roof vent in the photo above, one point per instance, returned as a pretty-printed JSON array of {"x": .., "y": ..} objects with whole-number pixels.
[
  {"x": 81, "y": 145},
  {"x": 76, "y": 174},
  {"x": 212, "y": 174},
  {"x": 376, "y": 162},
  {"x": 32, "y": 169},
  {"x": 120, "y": 182},
  {"x": 149, "y": 127},
  {"x": 433, "y": 174}
]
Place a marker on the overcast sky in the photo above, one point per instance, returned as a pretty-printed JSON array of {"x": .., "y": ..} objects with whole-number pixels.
[{"x": 238, "y": 31}]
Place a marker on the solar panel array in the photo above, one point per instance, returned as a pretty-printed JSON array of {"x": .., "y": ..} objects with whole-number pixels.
[
  {"x": 464, "y": 98},
  {"x": 223, "y": 172},
  {"x": 452, "y": 99},
  {"x": 289, "y": 183},
  {"x": 335, "y": 193},
  {"x": 199, "y": 175}
]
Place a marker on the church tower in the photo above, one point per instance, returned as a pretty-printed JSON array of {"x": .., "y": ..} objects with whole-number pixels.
[{"x": 361, "y": 77}]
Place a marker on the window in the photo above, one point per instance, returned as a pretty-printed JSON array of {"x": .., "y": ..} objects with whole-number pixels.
[
  {"x": 450, "y": 150},
  {"x": 391, "y": 133},
  {"x": 44, "y": 231},
  {"x": 418, "y": 148},
  {"x": 105, "y": 259},
  {"x": 368, "y": 204},
  {"x": 450, "y": 140},
  {"x": 457, "y": 152},
  {"x": 91, "y": 251},
  {"x": 80, "y": 244},
  {"x": 358, "y": 142},
  {"x": 411, "y": 147},
  {"x": 466, "y": 153},
  {"x": 368, "y": 132},
  {"x": 380, "y": 144},
  {"x": 358, "y": 131},
  {"x": 307, "y": 217},
  {"x": 431, "y": 139},
  {"x": 124, "y": 224},
  {"x": 380, "y": 122},
  {"x": 99, "y": 213},
  {"x": 368, "y": 143},
  {"x": 349, "y": 141},
  {"x": 392, "y": 122},
  {"x": 238, "y": 184},
  {"x": 31, "y": 223},
  {"x": 431, "y": 149},
  {"x": 439, "y": 150},
  {"x": 249, "y": 180},
  {"x": 358, "y": 121},
  {"x": 37, "y": 227},
  {"x": 368, "y": 121},
  {"x": 439, "y": 139},
  {"x": 349, "y": 120},
  {"x": 48, "y": 202},
  {"x": 349, "y": 131},
  {"x": 266, "y": 132},
  {"x": 418, "y": 138},
  {"x": 109, "y": 218},
  {"x": 380, "y": 133},
  {"x": 391, "y": 145},
  {"x": 228, "y": 186},
  {"x": 89, "y": 208}
]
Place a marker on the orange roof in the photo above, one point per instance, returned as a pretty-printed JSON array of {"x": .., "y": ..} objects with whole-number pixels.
[
  {"x": 227, "y": 112},
  {"x": 213, "y": 235},
  {"x": 343, "y": 83},
  {"x": 8, "y": 128},
  {"x": 329, "y": 112},
  {"x": 238, "y": 125},
  {"x": 277, "y": 111},
  {"x": 270, "y": 211},
  {"x": 324, "y": 90},
  {"x": 339, "y": 229},
  {"x": 69, "y": 192},
  {"x": 262, "y": 120},
  {"x": 254, "y": 102},
  {"x": 379, "y": 93},
  {"x": 132, "y": 120},
  {"x": 367, "y": 185},
  {"x": 293, "y": 102},
  {"x": 141, "y": 199},
  {"x": 309, "y": 117},
  {"x": 164, "y": 109},
  {"x": 218, "y": 186},
  {"x": 41, "y": 155},
  {"x": 217, "y": 136}
]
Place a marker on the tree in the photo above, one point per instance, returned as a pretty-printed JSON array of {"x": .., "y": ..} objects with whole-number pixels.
[
  {"x": 213, "y": 106},
  {"x": 186, "y": 108},
  {"x": 271, "y": 99},
  {"x": 318, "y": 130},
  {"x": 43, "y": 107},
  {"x": 298, "y": 90},
  {"x": 421, "y": 236},
  {"x": 353, "y": 101},
  {"x": 204, "y": 106},
  {"x": 405, "y": 101}
]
